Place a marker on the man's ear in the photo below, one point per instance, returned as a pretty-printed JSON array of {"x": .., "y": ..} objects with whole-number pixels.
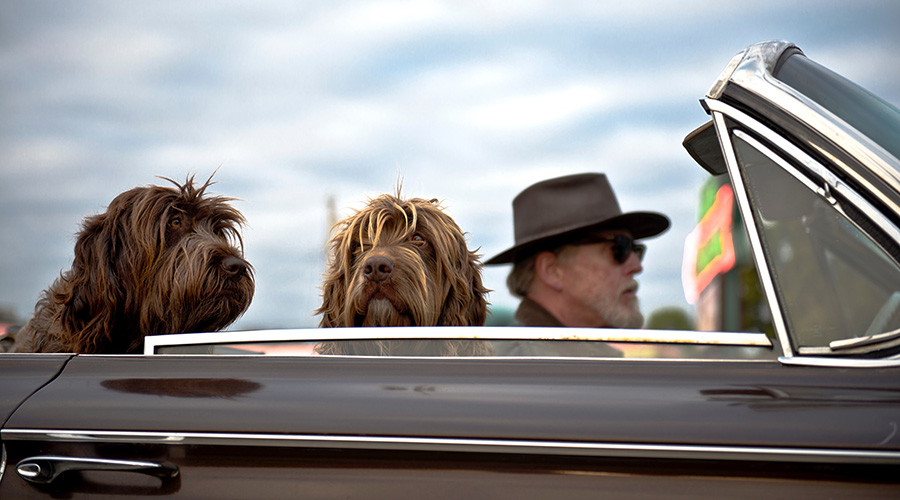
[{"x": 546, "y": 269}]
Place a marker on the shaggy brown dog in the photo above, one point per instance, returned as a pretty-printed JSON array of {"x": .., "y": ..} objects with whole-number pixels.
[
  {"x": 401, "y": 263},
  {"x": 159, "y": 260}
]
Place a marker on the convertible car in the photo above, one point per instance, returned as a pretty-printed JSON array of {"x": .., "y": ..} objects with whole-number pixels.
[{"x": 813, "y": 412}]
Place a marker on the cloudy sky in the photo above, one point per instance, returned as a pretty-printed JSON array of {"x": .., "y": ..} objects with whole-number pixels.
[{"x": 297, "y": 103}]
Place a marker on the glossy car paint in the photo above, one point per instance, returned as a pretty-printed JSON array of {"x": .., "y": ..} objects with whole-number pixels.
[
  {"x": 23, "y": 374},
  {"x": 397, "y": 426},
  {"x": 592, "y": 401}
]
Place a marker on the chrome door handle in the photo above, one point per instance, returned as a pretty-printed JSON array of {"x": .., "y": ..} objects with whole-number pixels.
[{"x": 46, "y": 469}]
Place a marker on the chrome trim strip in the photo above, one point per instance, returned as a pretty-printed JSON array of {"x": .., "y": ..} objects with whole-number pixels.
[
  {"x": 754, "y": 75},
  {"x": 634, "y": 450},
  {"x": 447, "y": 332},
  {"x": 755, "y": 59},
  {"x": 759, "y": 258},
  {"x": 833, "y": 183},
  {"x": 814, "y": 167},
  {"x": 834, "y": 362},
  {"x": 828, "y": 178}
]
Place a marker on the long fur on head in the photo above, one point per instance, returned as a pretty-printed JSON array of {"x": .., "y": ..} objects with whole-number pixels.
[
  {"x": 158, "y": 260},
  {"x": 436, "y": 279}
]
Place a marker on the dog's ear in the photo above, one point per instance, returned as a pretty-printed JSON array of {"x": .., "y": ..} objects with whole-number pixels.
[
  {"x": 466, "y": 302},
  {"x": 334, "y": 286},
  {"x": 477, "y": 311},
  {"x": 333, "y": 299},
  {"x": 88, "y": 287},
  {"x": 103, "y": 270}
]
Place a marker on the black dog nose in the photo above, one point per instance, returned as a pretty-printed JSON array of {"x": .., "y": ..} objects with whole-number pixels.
[
  {"x": 378, "y": 268},
  {"x": 234, "y": 265}
]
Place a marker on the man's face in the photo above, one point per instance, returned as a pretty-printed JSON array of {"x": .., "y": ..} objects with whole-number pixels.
[{"x": 601, "y": 291}]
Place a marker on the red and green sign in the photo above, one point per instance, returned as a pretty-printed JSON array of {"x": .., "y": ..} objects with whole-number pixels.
[{"x": 709, "y": 248}]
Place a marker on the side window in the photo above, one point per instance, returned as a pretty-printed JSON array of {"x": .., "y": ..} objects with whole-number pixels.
[{"x": 833, "y": 281}]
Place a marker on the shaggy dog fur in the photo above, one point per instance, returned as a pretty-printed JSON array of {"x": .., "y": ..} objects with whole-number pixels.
[
  {"x": 159, "y": 260},
  {"x": 401, "y": 263}
]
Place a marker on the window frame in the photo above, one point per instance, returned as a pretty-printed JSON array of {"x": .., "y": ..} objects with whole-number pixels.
[
  {"x": 154, "y": 343},
  {"x": 815, "y": 176}
]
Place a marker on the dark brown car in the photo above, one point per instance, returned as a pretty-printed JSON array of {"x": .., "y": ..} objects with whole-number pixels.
[{"x": 811, "y": 412}]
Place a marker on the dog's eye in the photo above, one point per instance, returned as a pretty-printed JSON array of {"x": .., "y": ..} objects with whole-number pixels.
[
  {"x": 418, "y": 240},
  {"x": 175, "y": 222}
]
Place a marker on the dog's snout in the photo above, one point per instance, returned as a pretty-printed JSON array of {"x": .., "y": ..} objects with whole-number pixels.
[
  {"x": 378, "y": 268},
  {"x": 234, "y": 265}
]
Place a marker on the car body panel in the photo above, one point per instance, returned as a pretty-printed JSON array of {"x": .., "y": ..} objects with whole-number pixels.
[
  {"x": 754, "y": 404},
  {"x": 396, "y": 426},
  {"x": 273, "y": 473},
  {"x": 24, "y": 374}
]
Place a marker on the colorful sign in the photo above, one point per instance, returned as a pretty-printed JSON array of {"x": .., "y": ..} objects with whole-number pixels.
[{"x": 709, "y": 248}]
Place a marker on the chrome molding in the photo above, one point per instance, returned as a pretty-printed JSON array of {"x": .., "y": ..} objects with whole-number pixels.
[
  {"x": 755, "y": 60},
  {"x": 151, "y": 343},
  {"x": 592, "y": 449},
  {"x": 836, "y": 186},
  {"x": 754, "y": 74},
  {"x": 814, "y": 167},
  {"x": 759, "y": 257},
  {"x": 833, "y": 362}
]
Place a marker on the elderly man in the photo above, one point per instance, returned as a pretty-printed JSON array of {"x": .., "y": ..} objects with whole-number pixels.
[{"x": 575, "y": 259}]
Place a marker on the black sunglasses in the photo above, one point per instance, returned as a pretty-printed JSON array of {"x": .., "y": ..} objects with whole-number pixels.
[{"x": 622, "y": 246}]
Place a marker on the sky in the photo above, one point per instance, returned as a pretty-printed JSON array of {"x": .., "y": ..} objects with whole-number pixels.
[{"x": 296, "y": 105}]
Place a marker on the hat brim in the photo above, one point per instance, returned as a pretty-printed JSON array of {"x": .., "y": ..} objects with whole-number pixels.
[{"x": 640, "y": 224}]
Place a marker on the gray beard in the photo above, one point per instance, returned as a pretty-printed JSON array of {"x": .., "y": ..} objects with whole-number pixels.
[{"x": 618, "y": 317}]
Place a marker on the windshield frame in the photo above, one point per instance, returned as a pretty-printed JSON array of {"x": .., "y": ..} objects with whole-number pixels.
[
  {"x": 750, "y": 83},
  {"x": 726, "y": 119}
]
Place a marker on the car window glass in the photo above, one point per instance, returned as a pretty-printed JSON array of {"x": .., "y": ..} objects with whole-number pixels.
[{"x": 832, "y": 279}]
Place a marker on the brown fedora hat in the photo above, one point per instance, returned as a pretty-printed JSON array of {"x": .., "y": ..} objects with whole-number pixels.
[{"x": 566, "y": 209}]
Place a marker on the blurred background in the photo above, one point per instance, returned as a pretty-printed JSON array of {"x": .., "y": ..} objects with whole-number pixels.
[{"x": 306, "y": 109}]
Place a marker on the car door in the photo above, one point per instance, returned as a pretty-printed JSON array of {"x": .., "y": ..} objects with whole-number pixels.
[{"x": 357, "y": 427}]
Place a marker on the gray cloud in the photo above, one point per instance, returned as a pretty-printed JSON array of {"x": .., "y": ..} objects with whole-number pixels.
[{"x": 295, "y": 104}]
